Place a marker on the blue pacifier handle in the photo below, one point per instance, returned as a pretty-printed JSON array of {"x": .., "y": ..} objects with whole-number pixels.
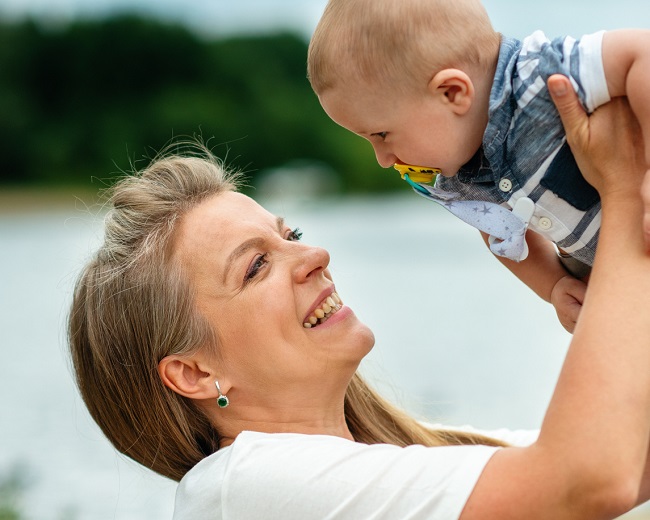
[{"x": 415, "y": 185}]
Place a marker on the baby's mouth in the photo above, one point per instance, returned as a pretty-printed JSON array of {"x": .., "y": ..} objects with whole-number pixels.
[{"x": 329, "y": 306}]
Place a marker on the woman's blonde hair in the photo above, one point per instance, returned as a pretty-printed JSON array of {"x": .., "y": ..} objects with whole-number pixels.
[
  {"x": 398, "y": 44},
  {"x": 133, "y": 305}
]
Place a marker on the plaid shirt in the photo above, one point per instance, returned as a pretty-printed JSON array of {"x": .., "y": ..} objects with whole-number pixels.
[{"x": 524, "y": 152}]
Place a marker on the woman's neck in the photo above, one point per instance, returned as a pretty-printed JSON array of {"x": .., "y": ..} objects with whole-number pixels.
[{"x": 309, "y": 421}]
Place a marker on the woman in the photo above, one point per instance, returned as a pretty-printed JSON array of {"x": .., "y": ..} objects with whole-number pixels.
[{"x": 210, "y": 345}]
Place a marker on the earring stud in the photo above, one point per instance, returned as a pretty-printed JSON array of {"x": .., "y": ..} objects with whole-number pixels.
[{"x": 222, "y": 400}]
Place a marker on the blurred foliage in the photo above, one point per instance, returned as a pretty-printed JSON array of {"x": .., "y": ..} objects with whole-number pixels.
[
  {"x": 12, "y": 486},
  {"x": 87, "y": 100}
]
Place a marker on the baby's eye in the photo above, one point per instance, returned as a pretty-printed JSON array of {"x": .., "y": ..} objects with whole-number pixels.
[
  {"x": 381, "y": 135},
  {"x": 294, "y": 235}
]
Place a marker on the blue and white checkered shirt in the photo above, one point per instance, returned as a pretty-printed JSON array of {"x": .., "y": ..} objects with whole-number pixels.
[{"x": 524, "y": 152}]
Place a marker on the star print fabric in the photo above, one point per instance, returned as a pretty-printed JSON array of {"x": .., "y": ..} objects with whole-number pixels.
[{"x": 507, "y": 228}]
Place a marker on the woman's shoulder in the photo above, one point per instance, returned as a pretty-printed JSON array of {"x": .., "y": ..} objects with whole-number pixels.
[
  {"x": 281, "y": 466},
  {"x": 259, "y": 447},
  {"x": 220, "y": 481}
]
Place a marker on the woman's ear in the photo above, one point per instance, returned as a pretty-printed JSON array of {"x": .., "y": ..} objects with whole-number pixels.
[
  {"x": 454, "y": 88},
  {"x": 186, "y": 376}
]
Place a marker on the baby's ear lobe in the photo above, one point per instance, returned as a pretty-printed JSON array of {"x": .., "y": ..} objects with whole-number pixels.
[{"x": 455, "y": 88}]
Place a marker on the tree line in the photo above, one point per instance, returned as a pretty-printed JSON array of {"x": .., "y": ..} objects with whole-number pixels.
[{"x": 86, "y": 101}]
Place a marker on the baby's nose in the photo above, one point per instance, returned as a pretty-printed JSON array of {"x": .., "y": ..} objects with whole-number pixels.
[{"x": 385, "y": 158}]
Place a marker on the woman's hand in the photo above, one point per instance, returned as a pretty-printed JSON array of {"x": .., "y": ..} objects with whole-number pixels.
[{"x": 607, "y": 145}]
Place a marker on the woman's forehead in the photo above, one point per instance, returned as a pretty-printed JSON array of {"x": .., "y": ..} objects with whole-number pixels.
[
  {"x": 225, "y": 210},
  {"x": 220, "y": 221}
]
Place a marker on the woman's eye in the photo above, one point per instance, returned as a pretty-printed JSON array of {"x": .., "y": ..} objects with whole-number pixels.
[
  {"x": 294, "y": 235},
  {"x": 255, "y": 267},
  {"x": 260, "y": 261}
]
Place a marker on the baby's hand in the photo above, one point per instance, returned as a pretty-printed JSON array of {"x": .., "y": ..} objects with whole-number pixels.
[{"x": 567, "y": 297}]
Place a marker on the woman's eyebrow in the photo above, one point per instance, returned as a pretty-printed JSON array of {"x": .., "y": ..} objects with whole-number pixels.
[{"x": 245, "y": 246}]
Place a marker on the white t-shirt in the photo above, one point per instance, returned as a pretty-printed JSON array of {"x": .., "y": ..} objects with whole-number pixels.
[{"x": 292, "y": 476}]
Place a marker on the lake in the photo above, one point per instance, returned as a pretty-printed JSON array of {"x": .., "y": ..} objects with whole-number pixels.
[{"x": 459, "y": 339}]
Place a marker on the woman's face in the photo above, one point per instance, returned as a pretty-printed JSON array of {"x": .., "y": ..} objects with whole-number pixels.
[{"x": 259, "y": 285}]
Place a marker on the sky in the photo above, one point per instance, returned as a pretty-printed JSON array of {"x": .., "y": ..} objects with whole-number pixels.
[{"x": 224, "y": 17}]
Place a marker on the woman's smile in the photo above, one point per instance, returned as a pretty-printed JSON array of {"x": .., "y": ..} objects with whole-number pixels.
[{"x": 321, "y": 312}]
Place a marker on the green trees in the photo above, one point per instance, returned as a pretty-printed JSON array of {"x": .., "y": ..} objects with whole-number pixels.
[{"x": 84, "y": 101}]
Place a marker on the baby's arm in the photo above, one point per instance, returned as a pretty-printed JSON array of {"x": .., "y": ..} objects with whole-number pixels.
[
  {"x": 544, "y": 274},
  {"x": 626, "y": 59}
]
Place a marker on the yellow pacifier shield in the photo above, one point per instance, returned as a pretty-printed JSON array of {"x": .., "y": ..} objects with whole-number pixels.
[{"x": 416, "y": 173}]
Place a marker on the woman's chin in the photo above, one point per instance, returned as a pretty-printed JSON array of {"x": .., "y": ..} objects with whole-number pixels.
[{"x": 356, "y": 334}]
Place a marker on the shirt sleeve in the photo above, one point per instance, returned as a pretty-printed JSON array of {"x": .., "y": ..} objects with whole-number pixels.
[
  {"x": 579, "y": 59},
  {"x": 519, "y": 438},
  {"x": 288, "y": 476},
  {"x": 592, "y": 71}
]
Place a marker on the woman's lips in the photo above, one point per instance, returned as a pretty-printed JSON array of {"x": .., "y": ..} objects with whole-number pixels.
[{"x": 326, "y": 308}]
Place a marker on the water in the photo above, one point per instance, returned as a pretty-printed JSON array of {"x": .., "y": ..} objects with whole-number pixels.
[{"x": 459, "y": 340}]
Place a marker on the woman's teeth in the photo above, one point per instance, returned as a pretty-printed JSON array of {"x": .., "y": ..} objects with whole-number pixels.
[{"x": 329, "y": 306}]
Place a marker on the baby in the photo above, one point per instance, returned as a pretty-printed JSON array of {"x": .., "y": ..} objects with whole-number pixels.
[{"x": 429, "y": 82}]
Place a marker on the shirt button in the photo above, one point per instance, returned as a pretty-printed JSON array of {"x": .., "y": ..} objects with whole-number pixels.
[
  {"x": 545, "y": 223},
  {"x": 505, "y": 185}
]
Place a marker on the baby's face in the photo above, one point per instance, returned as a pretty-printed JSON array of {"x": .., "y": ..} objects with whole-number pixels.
[{"x": 412, "y": 129}]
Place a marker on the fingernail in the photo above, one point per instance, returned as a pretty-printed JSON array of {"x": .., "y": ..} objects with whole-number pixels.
[{"x": 559, "y": 89}]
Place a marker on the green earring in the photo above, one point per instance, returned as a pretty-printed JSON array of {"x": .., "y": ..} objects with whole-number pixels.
[{"x": 222, "y": 400}]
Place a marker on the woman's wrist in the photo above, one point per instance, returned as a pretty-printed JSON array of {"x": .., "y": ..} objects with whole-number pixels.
[{"x": 625, "y": 198}]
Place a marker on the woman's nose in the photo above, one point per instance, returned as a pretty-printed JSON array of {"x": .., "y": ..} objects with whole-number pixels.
[{"x": 311, "y": 261}]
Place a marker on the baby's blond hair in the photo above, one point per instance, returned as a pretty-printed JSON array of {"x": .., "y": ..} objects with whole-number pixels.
[{"x": 398, "y": 43}]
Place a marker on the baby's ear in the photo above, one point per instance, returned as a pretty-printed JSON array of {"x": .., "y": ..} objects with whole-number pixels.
[{"x": 455, "y": 88}]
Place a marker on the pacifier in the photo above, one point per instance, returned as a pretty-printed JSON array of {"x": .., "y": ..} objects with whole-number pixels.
[{"x": 414, "y": 174}]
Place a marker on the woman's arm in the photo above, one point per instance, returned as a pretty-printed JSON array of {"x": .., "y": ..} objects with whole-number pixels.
[{"x": 589, "y": 461}]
